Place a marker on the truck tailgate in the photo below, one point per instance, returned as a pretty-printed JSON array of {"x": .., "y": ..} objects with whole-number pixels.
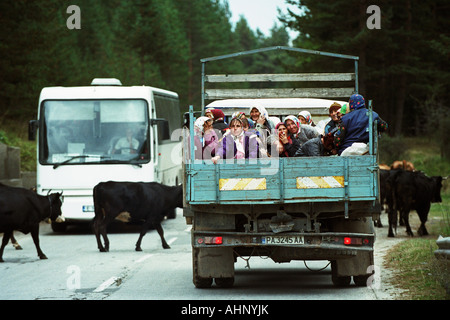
[{"x": 283, "y": 180}]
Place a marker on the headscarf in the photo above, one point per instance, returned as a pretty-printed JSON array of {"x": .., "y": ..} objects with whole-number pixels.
[
  {"x": 279, "y": 124},
  {"x": 344, "y": 108},
  {"x": 261, "y": 110},
  {"x": 237, "y": 114},
  {"x": 199, "y": 124},
  {"x": 209, "y": 110},
  {"x": 305, "y": 114},
  {"x": 275, "y": 120},
  {"x": 295, "y": 119},
  {"x": 218, "y": 114},
  {"x": 356, "y": 102}
]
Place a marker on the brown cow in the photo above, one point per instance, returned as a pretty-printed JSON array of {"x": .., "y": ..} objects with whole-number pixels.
[{"x": 405, "y": 165}]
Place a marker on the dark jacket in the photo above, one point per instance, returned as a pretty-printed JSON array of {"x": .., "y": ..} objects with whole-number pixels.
[
  {"x": 354, "y": 127},
  {"x": 312, "y": 148}
]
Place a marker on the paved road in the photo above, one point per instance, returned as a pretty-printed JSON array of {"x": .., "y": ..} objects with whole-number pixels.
[{"x": 76, "y": 270}]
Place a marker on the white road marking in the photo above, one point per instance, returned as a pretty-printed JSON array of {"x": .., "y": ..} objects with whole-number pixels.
[
  {"x": 113, "y": 280},
  {"x": 106, "y": 284},
  {"x": 172, "y": 240},
  {"x": 143, "y": 258}
]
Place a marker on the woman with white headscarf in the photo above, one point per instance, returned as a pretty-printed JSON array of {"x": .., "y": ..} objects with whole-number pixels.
[
  {"x": 260, "y": 116},
  {"x": 205, "y": 140}
]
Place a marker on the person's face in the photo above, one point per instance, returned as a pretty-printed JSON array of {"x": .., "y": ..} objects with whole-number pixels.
[
  {"x": 302, "y": 120},
  {"x": 236, "y": 128},
  {"x": 291, "y": 127},
  {"x": 282, "y": 129},
  {"x": 254, "y": 114},
  {"x": 209, "y": 115},
  {"x": 335, "y": 115},
  {"x": 207, "y": 126}
]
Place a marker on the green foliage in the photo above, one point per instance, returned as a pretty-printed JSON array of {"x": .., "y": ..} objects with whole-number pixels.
[
  {"x": 391, "y": 149},
  {"x": 142, "y": 42},
  {"x": 403, "y": 67}
]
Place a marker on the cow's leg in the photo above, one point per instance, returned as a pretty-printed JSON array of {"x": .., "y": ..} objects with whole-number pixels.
[
  {"x": 35, "y": 236},
  {"x": 105, "y": 237},
  {"x": 15, "y": 243},
  {"x": 405, "y": 216},
  {"x": 6, "y": 237},
  {"x": 392, "y": 215},
  {"x": 161, "y": 234},
  {"x": 144, "y": 229},
  {"x": 96, "y": 229},
  {"x": 423, "y": 216}
]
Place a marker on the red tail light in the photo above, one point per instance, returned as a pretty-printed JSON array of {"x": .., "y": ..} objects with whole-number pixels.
[
  {"x": 355, "y": 241},
  {"x": 210, "y": 240}
]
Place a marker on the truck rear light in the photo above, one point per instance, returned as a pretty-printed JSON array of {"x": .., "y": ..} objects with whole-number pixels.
[
  {"x": 354, "y": 241},
  {"x": 210, "y": 240}
]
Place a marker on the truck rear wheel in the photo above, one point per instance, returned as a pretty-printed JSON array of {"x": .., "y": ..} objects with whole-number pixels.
[
  {"x": 199, "y": 282},
  {"x": 225, "y": 282},
  {"x": 202, "y": 283},
  {"x": 361, "y": 281},
  {"x": 339, "y": 281}
]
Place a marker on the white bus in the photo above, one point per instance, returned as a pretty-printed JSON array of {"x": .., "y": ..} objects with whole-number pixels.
[{"x": 103, "y": 132}]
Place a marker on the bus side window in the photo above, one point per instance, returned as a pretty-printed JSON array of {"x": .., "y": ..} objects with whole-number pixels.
[{"x": 167, "y": 108}]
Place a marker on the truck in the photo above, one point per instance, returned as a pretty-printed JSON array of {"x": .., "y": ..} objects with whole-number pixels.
[
  {"x": 79, "y": 131},
  {"x": 298, "y": 208}
]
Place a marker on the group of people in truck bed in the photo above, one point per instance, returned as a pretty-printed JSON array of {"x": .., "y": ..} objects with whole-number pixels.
[{"x": 258, "y": 136}]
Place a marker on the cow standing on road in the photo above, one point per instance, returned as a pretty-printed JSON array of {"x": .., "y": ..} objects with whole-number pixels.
[
  {"x": 148, "y": 201},
  {"x": 23, "y": 210}
]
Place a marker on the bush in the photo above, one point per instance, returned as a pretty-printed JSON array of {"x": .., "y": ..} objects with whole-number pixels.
[{"x": 391, "y": 149}]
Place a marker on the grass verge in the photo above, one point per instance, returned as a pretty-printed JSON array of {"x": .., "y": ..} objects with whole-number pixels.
[{"x": 417, "y": 271}]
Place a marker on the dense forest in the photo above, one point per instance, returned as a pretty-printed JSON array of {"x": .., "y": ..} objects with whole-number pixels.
[{"x": 404, "y": 65}]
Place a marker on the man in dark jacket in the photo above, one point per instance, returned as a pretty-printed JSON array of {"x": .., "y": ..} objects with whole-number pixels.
[{"x": 354, "y": 126}]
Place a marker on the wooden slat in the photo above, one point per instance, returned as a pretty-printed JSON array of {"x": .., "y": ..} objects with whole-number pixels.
[
  {"x": 280, "y": 77},
  {"x": 213, "y": 94}
]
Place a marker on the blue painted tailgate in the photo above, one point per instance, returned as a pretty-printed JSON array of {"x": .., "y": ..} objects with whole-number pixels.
[{"x": 283, "y": 180}]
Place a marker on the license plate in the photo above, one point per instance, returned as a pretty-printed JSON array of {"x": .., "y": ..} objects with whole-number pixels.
[
  {"x": 88, "y": 209},
  {"x": 283, "y": 240}
]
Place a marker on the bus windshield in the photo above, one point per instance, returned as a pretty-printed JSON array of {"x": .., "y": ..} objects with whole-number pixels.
[{"x": 94, "y": 131}]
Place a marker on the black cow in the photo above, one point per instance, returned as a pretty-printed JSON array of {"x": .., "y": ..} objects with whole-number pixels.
[
  {"x": 23, "y": 210},
  {"x": 415, "y": 190},
  {"x": 147, "y": 201},
  {"x": 387, "y": 195}
]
